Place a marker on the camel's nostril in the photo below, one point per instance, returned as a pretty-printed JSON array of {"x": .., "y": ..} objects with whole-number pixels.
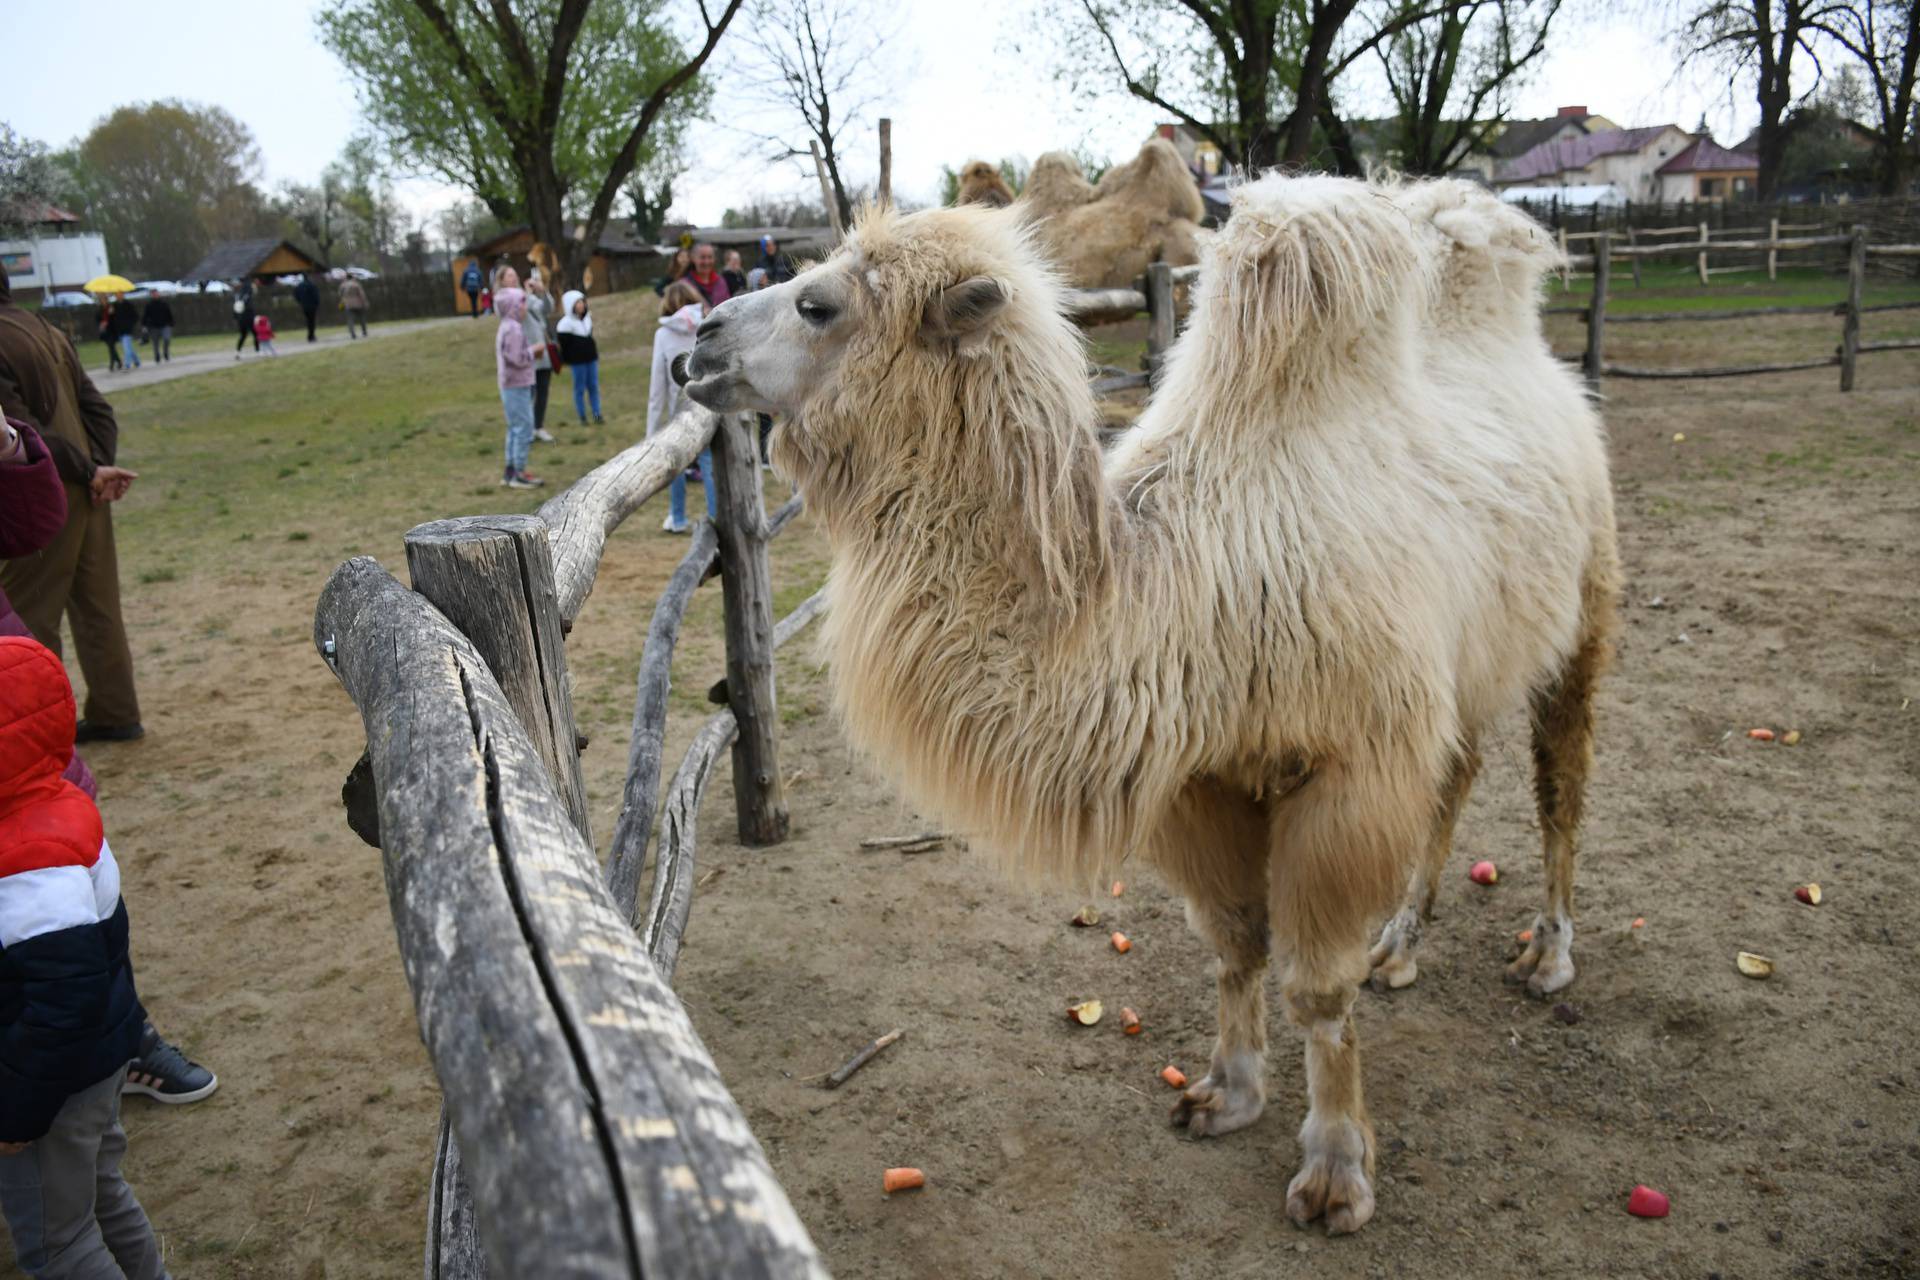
[{"x": 708, "y": 327}]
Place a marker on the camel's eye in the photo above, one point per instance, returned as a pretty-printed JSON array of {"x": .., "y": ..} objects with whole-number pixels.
[{"x": 814, "y": 312}]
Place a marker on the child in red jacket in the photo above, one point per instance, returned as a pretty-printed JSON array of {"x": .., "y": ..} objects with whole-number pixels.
[
  {"x": 70, "y": 1018},
  {"x": 263, "y": 333}
]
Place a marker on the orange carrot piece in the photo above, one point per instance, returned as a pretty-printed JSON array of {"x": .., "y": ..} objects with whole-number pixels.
[
  {"x": 1174, "y": 1076},
  {"x": 1129, "y": 1022},
  {"x": 1119, "y": 887},
  {"x": 902, "y": 1180},
  {"x": 1760, "y": 735},
  {"x": 1121, "y": 942},
  {"x": 1525, "y": 935},
  {"x": 1639, "y": 922}
]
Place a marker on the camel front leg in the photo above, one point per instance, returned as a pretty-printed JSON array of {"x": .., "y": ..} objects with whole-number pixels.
[
  {"x": 1340, "y": 848},
  {"x": 1214, "y": 849},
  {"x": 1392, "y": 959}
]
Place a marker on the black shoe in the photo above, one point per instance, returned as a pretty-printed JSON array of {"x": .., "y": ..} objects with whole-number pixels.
[
  {"x": 88, "y": 731},
  {"x": 162, "y": 1073}
]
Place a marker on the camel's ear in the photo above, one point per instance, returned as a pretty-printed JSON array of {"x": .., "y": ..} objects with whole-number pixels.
[{"x": 962, "y": 312}]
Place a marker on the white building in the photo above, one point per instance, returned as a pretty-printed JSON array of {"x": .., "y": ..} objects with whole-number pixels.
[
  {"x": 55, "y": 255},
  {"x": 1626, "y": 159}
]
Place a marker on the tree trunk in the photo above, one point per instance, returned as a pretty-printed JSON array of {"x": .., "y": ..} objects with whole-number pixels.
[
  {"x": 1346, "y": 157},
  {"x": 1312, "y": 89}
]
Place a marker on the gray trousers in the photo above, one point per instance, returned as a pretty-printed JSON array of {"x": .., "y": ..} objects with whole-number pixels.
[
  {"x": 73, "y": 1217},
  {"x": 357, "y": 316}
]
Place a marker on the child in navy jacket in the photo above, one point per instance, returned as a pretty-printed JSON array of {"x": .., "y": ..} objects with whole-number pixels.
[{"x": 70, "y": 1019}]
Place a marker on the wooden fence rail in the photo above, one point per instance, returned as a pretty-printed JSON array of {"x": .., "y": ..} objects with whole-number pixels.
[
  {"x": 1846, "y": 356},
  {"x": 599, "y": 1138}
]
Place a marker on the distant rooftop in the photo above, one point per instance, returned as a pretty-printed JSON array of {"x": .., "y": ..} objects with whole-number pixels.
[
  {"x": 1561, "y": 154},
  {"x": 1704, "y": 155}
]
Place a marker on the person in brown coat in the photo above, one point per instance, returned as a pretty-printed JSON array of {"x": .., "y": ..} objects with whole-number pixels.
[{"x": 78, "y": 573}]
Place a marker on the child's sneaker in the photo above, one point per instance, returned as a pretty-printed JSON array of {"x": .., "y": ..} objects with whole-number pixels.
[
  {"x": 528, "y": 480},
  {"x": 668, "y": 526},
  {"x": 163, "y": 1073},
  {"x": 543, "y": 435},
  {"x": 598, "y": 420}
]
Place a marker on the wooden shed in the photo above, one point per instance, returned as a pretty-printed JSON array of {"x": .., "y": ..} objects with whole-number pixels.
[
  {"x": 260, "y": 259},
  {"x": 516, "y": 246}
]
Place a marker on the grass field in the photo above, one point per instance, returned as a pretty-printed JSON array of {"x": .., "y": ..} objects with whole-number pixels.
[{"x": 1673, "y": 286}]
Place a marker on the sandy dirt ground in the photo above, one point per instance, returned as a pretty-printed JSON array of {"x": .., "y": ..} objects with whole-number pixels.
[{"x": 1772, "y": 560}]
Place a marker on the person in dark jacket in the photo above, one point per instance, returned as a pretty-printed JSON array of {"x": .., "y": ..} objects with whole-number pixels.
[
  {"x": 103, "y": 325},
  {"x": 777, "y": 265},
  {"x": 734, "y": 273},
  {"x": 126, "y": 319},
  {"x": 78, "y": 574},
  {"x": 157, "y": 319},
  {"x": 470, "y": 281},
  {"x": 579, "y": 352},
  {"x": 243, "y": 316},
  {"x": 70, "y": 1016},
  {"x": 307, "y": 294}
]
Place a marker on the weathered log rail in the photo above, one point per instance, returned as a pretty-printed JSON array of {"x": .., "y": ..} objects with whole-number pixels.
[
  {"x": 586, "y": 1131},
  {"x": 1596, "y": 318}
]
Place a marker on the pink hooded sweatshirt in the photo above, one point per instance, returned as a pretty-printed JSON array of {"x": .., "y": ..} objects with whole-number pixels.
[{"x": 511, "y": 353}]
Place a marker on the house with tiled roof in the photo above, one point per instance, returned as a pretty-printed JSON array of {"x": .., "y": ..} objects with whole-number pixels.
[
  {"x": 1517, "y": 137},
  {"x": 1627, "y": 160},
  {"x": 1706, "y": 171}
]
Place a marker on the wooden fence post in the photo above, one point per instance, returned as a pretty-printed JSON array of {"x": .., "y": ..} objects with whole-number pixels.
[
  {"x": 1635, "y": 260},
  {"x": 1773, "y": 255},
  {"x": 1850, "y": 328},
  {"x": 1703, "y": 253},
  {"x": 492, "y": 576},
  {"x": 886, "y": 162},
  {"x": 1597, "y": 309},
  {"x": 747, "y": 590},
  {"x": 1560, "y": 233},
  {"x": 1160, "y": 318}
]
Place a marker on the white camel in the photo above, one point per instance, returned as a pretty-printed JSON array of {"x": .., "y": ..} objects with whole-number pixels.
[{"x": 1365, "y": 514}]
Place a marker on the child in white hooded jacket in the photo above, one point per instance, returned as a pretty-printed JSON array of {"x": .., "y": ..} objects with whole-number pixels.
[{"x": 681, "y": 311}]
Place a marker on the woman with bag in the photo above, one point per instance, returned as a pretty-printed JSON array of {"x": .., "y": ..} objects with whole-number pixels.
[{"x": 243, "y": 316}]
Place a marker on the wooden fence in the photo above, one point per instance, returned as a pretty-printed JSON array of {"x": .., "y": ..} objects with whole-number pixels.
[
  {"x": 1850, "y": 309},
  {"x": 585, "y": 1129}
]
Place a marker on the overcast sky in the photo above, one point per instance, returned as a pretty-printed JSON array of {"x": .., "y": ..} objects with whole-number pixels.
[{"x": 961, "y": 91}]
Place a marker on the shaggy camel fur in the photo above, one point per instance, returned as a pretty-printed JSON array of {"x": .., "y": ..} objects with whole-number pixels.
[
  {"x": 1146, "y": 210},
  {"x": 981, "y": 183},
  {"x": 1366, "y": 513},
  {"x": 1055, "y": 185}
]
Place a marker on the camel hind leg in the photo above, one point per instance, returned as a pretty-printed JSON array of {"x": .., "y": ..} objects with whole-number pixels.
[
  {"x": 1214, "y": 849},
  {"x": 1562, "y": 760},
  {"x": 1392, "y": 959}
]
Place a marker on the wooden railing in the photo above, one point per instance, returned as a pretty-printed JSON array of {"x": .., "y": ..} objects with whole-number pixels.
[
  {"x": 1850, "y": 309},
  {"x": 586, "y": 1131}
]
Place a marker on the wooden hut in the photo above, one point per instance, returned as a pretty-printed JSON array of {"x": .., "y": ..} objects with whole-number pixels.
[{"x": 262, "y": 260}]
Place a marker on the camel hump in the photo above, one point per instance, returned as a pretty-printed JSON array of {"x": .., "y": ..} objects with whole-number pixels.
[
  {"x": 1490, "y": 247},
  {"x": 1311, "y": 259}
]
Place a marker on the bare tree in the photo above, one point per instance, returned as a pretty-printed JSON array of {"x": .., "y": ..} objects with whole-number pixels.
[
  {"x": 1451, "y": 77},
  {"x": 1761, "y": 38},
  {"x": 1228, "y": 68},
  {"x": 820, "y": 60},
  {"x": 1884, "y": 35}
]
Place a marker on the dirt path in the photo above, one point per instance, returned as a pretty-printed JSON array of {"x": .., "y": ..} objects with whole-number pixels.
[
  {"x": 150, "y": 372},
  {"x": 1771, "y": 558}
]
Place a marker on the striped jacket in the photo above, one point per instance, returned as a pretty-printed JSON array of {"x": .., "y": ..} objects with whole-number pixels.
[{"x": 69, "y": 1014}]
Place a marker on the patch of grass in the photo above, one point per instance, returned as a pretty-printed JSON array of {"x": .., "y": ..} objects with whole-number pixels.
[
  {"x": 298, "y": 535},
  {"x": 158, "y": 575},
  {"x": 1673, "y": 286}
]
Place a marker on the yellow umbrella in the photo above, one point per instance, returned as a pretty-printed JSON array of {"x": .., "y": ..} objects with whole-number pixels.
[{"x": 108, "y": 284}]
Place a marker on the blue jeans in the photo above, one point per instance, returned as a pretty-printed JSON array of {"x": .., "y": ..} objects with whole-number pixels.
[
  {"x": 677, "y": 491},
  {"x": 519, "y": 405},
  {"x": 127, "y": 353},
  {"x": 586, "y": 381}
]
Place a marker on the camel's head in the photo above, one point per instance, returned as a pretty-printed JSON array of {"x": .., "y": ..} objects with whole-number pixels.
[{"x": 904, "y": 295}]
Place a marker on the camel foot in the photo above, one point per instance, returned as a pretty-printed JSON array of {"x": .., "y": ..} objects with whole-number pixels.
[
  {"x": 1230, "y": 1096},
  {"x": 1546, "y": 966},
  {"x": 1334, "y": 1182},
  {"x": 1391, "y": 961}
]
